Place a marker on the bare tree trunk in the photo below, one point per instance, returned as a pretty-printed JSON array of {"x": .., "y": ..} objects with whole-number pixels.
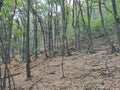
[
  {"x": 35, "y": 37},
  {"x": 103, "y": 28},
  {"x": 44, "y": 39},
  {"x": 27, "y": 42},
  {"x": 75, "y": 24},
  {"x": 83, "y": 20},
  {"x": 56, "y": 28},
  {"x": 116, "y": 21},
  {"x": 90, "y": 43},
  {"x": 63, "y": 36},
  {"x": 50, "y": 35}
]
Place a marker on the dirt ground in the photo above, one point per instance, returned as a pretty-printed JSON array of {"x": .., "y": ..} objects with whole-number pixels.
[{"x": 98, "y": 71}]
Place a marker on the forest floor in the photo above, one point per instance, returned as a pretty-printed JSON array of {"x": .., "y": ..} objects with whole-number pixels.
[{"x": 98, "y": 71}]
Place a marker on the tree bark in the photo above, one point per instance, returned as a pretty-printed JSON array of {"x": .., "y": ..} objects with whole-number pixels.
[
  {"x": 103, "y": 28},
  {"x": 116, "y": 21},
  {"x": 27, "y": 42},
  {"x": 90, "y": 43}
]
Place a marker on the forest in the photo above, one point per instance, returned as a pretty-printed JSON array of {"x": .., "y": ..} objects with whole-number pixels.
[{"x": 59, "y": 44}]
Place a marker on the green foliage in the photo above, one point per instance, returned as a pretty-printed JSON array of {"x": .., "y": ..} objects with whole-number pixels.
[
  {"x": 15, "y": 44},
  {"x": 70, "y": 33},
  {"x": 109, "y": 21},
  {"x": 42, "y": 10},
  {"x": 96, "y": 25},
  {"x": 68, "y": 9},
  {"x": 17, "y": 30},
  {"x": 118, "y": 7},
  {"x": 1, "y": 14},
  {"x": 81, "y": 22},
  {"x": 7, "y": 7}
]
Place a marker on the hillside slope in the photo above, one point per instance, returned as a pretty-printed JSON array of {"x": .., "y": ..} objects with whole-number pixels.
[{"x": 98, "y": 71}]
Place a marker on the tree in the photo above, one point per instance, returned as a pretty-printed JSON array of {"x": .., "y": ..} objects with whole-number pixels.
[
  {"x": 50, "y": 28},
  {"x": 1, "y": 3},
  {"x": 89, "y": 34},
  {"x": 103, "y": 28},
  {"x": 63, "y": 35},
  {"x": 6, "y": 44},
  {"x": 75, "y": 24},
  {"x": 116, "y": 21},
  {"x": 35, "y": 32},
  {"x": 27, "y": 42}
]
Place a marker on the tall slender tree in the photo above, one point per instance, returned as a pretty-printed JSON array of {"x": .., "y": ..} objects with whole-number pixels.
[
  {"x": 116, "y": 21},
  {"x": 63, "y": 35},
  {"x": 27, "y": 42},
  {"x": 103, "y": 28},
  {"x": 89, "y": 34},
  {"x": 35, "y": 32}
]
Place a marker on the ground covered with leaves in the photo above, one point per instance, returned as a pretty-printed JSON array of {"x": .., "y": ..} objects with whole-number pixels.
[{"x": 98, "y": 71}]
